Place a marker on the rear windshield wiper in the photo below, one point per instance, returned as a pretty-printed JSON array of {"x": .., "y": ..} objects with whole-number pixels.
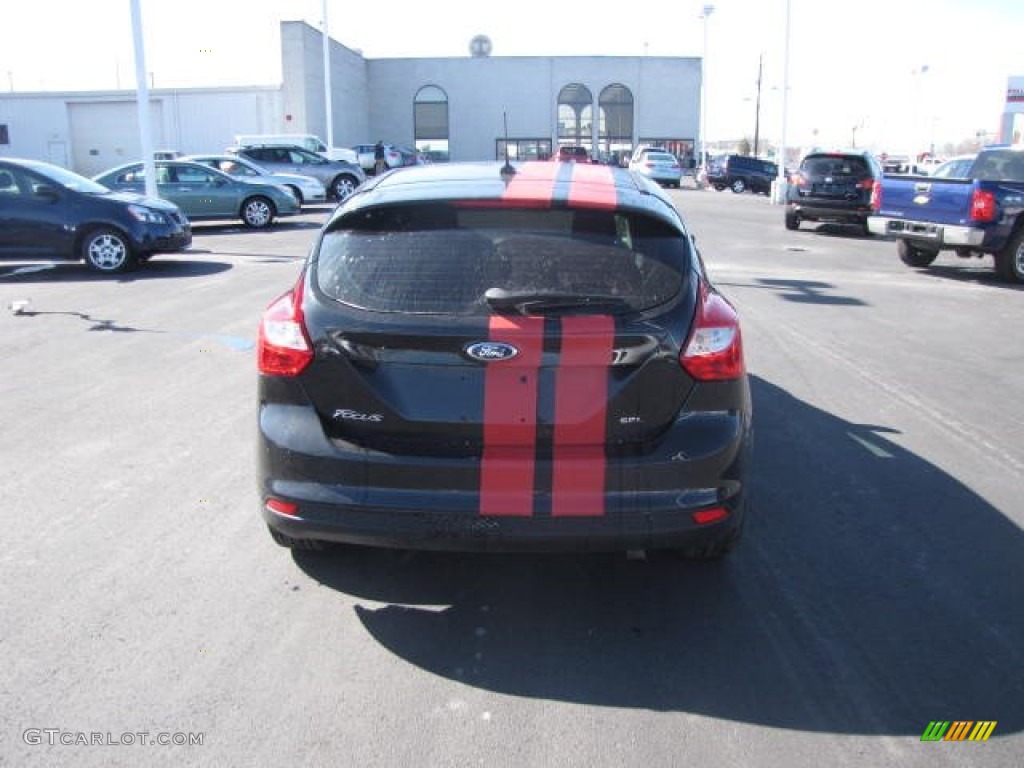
[{"x": 534, "y": 302}]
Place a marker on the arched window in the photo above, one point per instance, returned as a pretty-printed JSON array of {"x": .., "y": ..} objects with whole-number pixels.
[
  {"x": 575, "y": 116},
  {"x": 615, "y": 129},
  {"x": 430, "y": 122}
]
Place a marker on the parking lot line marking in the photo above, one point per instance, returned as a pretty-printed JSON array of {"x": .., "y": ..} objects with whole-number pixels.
[{"x": 880, "y": 453}]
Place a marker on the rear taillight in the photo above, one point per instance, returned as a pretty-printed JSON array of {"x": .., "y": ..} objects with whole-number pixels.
[
  {"x": 284, "y": 348},
  {"x": 289, "y": 508},
  {"x": 876, "y": 196},
  {"x": 714, "y": 351},
  {"x": 983, "y": 205},
  {"x": 866, "y": 184},
  {"x": 707, "y": 516}
]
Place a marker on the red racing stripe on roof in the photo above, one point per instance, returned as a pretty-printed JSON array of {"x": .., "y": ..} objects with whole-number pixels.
[
  {"x": 533, "y": 184},
  {"x": 510, "y": 419},
  {"x": 581, "y": 405},
  {"x": 593, "y": 186}
]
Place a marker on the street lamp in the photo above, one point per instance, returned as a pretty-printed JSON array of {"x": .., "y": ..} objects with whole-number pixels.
[
  {"x": 857, "y": 127},
  {"x": 779, "y": 187},
  {"x": 919, "y": 126},
  {"x": 757, "y": 108},
  {"x": 328, "y": 103},
  {"x": 705, "y": 15}
]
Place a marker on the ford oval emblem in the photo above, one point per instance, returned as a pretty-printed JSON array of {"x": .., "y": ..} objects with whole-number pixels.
[{"x": 491, "y": 351}]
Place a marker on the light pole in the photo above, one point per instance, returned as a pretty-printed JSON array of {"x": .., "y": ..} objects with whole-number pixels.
[
  {"x": 705, "y": 15},
  {"x": 857, "y": 127},
  {"x": 757, "y": 107},
  {"x": 779, "y": 187},
  {"x": 142, "y": 101},
  {"x": 328, "y": 106},
  {"x": 919, "y": 129}
]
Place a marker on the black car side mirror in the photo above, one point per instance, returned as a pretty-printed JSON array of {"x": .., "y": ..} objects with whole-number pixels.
[{"x": 47, "y": 192}]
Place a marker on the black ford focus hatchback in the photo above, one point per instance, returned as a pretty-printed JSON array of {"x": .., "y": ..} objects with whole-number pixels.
[{"x": 480, "y": 359}]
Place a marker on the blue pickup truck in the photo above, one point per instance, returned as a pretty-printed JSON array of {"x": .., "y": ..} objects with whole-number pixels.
[{"x": 981, "y": 214}]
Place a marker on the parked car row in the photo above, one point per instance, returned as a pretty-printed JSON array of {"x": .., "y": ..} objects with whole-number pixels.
[
  {"x": 109, "y": 222},
  {"x": 202, "y": 192}
]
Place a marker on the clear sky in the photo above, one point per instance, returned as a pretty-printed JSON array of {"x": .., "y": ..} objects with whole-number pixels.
[{"x": 900, "y": 72}]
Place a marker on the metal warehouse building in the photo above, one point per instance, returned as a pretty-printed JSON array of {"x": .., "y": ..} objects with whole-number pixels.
[{"x": 450, "y": 107}]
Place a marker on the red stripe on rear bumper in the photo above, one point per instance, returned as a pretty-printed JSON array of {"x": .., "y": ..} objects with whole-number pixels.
[
  {"x": 510, "y": 419},
  {"x": 593, "y": 186},
  {"x": 581, "y": 404}
]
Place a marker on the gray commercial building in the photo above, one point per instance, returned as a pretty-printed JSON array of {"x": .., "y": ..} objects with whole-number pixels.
[{"x": 453, "y": 108}]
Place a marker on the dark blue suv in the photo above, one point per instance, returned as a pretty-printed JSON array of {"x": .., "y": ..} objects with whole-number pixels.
[{"x": 741, "y": 173}]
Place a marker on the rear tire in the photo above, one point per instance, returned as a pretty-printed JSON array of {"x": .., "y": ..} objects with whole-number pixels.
[
  {"x": 792, "y": 220},
  {"x": 738, "y": 186},
  {"x": 1010, "y": 260},
  {"x": 913, "y": 256},
  {"x": 108, "y": 251}
]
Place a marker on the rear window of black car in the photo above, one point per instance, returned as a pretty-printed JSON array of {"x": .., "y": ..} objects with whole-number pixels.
[
  {"x": 442, "y": 259},
  {"x": 835, "y": 165}
]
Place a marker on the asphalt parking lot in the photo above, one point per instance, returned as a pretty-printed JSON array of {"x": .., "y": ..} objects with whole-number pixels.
[{"x": 879, "y": 587}]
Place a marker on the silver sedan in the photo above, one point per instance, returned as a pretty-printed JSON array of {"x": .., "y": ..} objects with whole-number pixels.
[
  {"x": 306, "y": 188},
  {"x": 661, "y": 167}
]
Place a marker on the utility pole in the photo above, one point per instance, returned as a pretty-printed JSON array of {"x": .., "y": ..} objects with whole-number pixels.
[
  {"x": 757, "y": 108},
  {"x": 142, "y": 100},
  {"x": 328, "y": 103},
  {"x": 705, "y": 15}
]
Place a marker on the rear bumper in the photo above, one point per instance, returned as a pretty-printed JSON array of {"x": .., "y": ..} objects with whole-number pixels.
[
  {"x": 926, "y": 232},
  {"x": 462, "y": 532},
  {"x": 349, "y": 494},
  {"x": 841, "y": 212}
]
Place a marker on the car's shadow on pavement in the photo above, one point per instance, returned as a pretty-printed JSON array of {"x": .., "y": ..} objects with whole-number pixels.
[
  {"x": 872, "y": 594},
  {"x": 846, "y": 231},
  {"x": 977, "y": 270},
  {"x": 228, "y": 228},
  {"x": 68, "y": 271}
]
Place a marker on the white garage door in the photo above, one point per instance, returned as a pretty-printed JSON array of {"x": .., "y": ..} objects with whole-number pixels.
[{"x": 105, "y": 134}]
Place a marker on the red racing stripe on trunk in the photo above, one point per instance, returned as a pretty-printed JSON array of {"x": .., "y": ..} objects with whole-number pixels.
[
  {"x": 533, "y": 185},
  {"x": 510, "y": 419},
  {"x": 581, "y": 405},
  {"x": 593, "y": 186}
]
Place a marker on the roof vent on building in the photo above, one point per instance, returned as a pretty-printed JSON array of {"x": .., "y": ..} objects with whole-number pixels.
[{"x": 480, "y": 46}]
